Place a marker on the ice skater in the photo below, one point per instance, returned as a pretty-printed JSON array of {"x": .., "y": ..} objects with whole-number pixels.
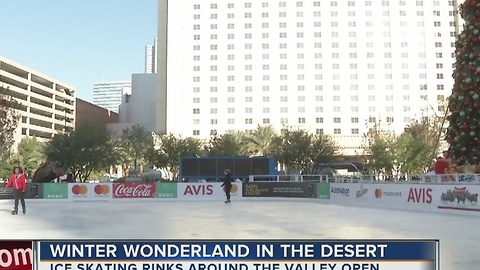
[
  {"x": 227, "y": 183},
  {"x": 19, "y": 187}
]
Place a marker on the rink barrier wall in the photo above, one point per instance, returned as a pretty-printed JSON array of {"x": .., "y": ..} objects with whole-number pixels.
[{"x": 427, "y": 197}]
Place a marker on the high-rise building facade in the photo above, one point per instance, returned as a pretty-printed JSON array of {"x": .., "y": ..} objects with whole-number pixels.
[
  {"x": 108, "y": 95},
  {"x": 46, "y": 105},
  {"x": 332, "y": 67},
  {"x": 151, "y": 58}
]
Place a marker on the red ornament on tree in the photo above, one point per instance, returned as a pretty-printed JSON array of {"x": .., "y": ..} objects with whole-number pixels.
[
  {"x": 476, "y": 105},
  {"x": 464, "y": 126},
  {"x": 466, "y": 103}
]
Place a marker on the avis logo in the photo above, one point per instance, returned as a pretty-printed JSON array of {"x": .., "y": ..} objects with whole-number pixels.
[
  {"x": 198, "y": 190},
  {"x": 420, "y": 195}
]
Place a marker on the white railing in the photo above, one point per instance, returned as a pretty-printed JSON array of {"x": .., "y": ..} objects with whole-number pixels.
[{"x": 443, "y": 178}]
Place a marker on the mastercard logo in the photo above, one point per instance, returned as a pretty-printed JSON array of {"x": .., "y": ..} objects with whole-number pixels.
[
  {"x": 101, "y": 189},
  {"x": 79, "y": 189},
  {"x": 233, "y": 190}
]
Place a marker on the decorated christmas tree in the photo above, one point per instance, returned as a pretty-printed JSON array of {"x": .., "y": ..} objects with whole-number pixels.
[{"x": 463, "y": 134}]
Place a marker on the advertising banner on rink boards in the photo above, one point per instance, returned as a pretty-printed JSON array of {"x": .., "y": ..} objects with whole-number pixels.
[
  {"x": 89, "y": 191},
  {"x": 207, "y": 191},
  {"x": 238, "y": 255},
  {"x": 279, "y": 189},
  {"x": 343, "y": 192},
  {"x": 459, "y": 198}
]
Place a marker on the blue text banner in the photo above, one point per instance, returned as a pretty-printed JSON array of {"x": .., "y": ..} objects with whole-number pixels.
[{"x": 243, "y": 251}]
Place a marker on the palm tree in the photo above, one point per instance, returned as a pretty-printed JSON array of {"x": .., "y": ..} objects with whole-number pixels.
[
  {"x": 240, "y": 139},
  {"x": 260, "y": 141}
]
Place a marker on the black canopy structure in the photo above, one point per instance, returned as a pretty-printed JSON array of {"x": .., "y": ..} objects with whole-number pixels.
[{"x": 48, "y": 172}]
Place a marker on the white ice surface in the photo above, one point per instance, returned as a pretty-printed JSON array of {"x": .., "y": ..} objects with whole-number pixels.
[{"x": 279, "y": 219}]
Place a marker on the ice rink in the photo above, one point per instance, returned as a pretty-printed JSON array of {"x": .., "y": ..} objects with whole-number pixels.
[{"x": 280, "y": 219}]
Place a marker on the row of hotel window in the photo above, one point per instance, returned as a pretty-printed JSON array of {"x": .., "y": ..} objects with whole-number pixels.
[
  {"x": 336, "y": 109},
  {"x": 319, "y": 131},
  {"x": 418, "y": 3},
  {"x": 302, "y": 56},
  {"x": 353, "y": 87},
  {"x": 300, "y": 14},
  {"x": 301, "y": 120},
  {"x": 336, "y": 55},
  {"x": 368, "y": 34},
  {"x": 319, "y": 24},
  {"x": 319, "y": 77},
  {"x": 318, "y": 66},
  {"x": 335, "y": 98}
]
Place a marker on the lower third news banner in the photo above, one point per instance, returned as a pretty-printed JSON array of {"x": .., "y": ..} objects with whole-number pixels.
[
  {"x": 16, "y": 255},
  {"x": 238, "y": 255}
]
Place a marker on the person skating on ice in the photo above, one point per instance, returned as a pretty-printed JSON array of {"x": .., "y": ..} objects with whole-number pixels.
[
  {"x": 19, "y": 183},
  {"x": 227, "y": 183}
]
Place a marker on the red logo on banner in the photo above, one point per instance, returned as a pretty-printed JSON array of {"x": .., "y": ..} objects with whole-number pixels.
[
  {"x": 133, "y": 190},
  {"x": 16, "y": 255},
  {"x": 198, "y": 190},
  {"x": 420, "y": 195}
]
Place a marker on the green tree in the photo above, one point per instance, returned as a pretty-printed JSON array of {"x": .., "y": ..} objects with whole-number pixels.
[
  {"x": 464, "y": 103},
  {"x": 229, "y": 144},
  {"x": 261, "y": 141},
  {"x": 29, "y": 155},
  {"x": 379, "y": 148},
  {"x": 169, "y": 150},
  {"x": 9, "y": 118},
  {"x": 83, "y": 150},
  {"x": 417, "y": 145},
  {"x": 412, "y": 156},
  {"x": 301, "y": 151},
  {"x": 136, "y": 142},
  {"x": 6, "y": 168}
]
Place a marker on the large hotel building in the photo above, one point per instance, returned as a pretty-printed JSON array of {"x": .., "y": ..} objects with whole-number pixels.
[
  {"x": 47, "y": 106},
  {"x": 332, "y": 67}
]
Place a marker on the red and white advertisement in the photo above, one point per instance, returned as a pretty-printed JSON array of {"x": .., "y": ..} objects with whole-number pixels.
[
  {"x": 207, "y": 191},
  {"x": 133, "y": 190},
  {"x": 16, "y": 255},
  {"x": 463, "y": 198}
]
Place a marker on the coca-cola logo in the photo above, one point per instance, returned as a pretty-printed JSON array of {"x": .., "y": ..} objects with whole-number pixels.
[{"x": 134, "y": 191}]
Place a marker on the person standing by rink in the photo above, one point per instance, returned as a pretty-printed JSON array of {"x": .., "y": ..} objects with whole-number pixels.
[
  {"x": 19, "y": 187},
  {"x": 227, "y": 183}
]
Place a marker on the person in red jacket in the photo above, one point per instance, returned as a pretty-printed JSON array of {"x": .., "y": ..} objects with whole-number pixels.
[{"x": 19, "y": 183}]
